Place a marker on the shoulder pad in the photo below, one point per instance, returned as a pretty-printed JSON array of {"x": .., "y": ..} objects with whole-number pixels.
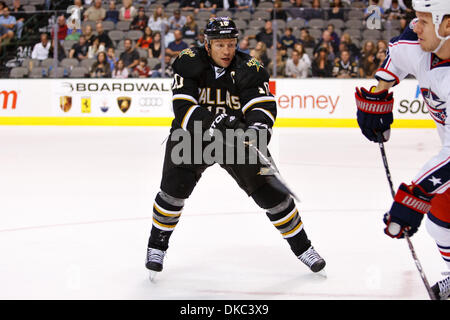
[
  {"x": 407, "y": 35},
  {"x": 250, "y": 72},
  {"x": 190, "y": 62}
]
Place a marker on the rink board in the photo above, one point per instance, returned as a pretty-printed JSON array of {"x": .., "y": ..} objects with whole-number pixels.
[{"x": 148, "y": 102}]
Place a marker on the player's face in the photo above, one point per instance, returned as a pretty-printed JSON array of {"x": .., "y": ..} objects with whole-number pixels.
[
  {"x": 424, "y": 28},
  {"x": 222, "y": 51}
]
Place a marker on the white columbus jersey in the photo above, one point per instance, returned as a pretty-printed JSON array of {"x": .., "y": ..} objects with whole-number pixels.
[{"x": 404, "y": 57}]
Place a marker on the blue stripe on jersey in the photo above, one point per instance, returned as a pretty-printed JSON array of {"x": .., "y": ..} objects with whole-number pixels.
[
  {"x": 436, "y": 179},
  {"x": 438, "y": 221}
]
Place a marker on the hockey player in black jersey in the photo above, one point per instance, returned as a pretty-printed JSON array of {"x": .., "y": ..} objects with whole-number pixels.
[{"x": 217, "y": 89}]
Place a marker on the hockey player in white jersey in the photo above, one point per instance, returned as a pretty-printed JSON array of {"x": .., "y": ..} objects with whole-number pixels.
[{"x": 422, "y": 50}]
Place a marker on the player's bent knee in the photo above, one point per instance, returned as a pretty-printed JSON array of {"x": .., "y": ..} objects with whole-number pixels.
[
  {"x": 178, "y": 182},
  {"x": 268, "y": 197}
]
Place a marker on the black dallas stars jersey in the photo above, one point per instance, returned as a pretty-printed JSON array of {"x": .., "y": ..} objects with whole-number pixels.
[{"x": 202, "y": 90}]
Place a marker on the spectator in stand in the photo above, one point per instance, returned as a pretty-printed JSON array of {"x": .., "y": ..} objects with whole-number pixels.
[
  {"x": 219, "y": 5},
  {"x": 60, "y": 50},
  {"x": 41, "y": 49},
  {"x": 190, "y": 5},
  {"x": 146, "y": 40},
  {"x": 77, "y": 13},
  {"x": 18, "y": 12},
  {"x": 103, "y": 37},
  {"x": 112, "y": 14},
  {"x": 315, "y": 12},
  {"x": 306, "y": 39},
  {"x": 154, "y": 50},
  {"x": 297, "y": 66},
  {"x": 101, "y": 67},
  {"x": 260, "y": 53},
  {"x": 382, "y": 45},
  {"x": 334, "y": 36},
  {"x": 327, "y": 42},
  {"x": 386, "y": 4},
  {"x": 368, "y": 66},
  {"x": 158, "y": 21},
  {"x": 168, "y": 71},
  {"x": 120, "y": 71},
  {"x": 376, "y": 14},
  {"x": 175, "y": 47},
  {"x": 297, "y": 9},
  {"x": 241, "y": 5},
  {"x": 177, "y": 21},
  {"x": 244, "y": 45},
  {"x": 88, "y": 34},
  {"x": 62, "y": 28},
  {"x": 355, "y": 53},
  {"x": 395, "y": 12},
  {"x": 336, "y": 10},
  {"x": 200, "y": 41},
  {"x": 95, "y": 12},
  {"x": 95, "y": 48},
  {"x": 111, "y": 58},
  {"x": 288, "y": 40},
  {"x": 321, "y": 65},
  {"x": 278, "y": 12},
  {"x": 7, "y": 20},
  {"x": 140, "y": 21},
  {"x": 380, "y": 57},
  {"x": 206, "y": 5},
  {"x": 280, "y": 60},
  {"x": 266, "y": 34},
  {"x": 344, "y": 67},
  {"x": 128, "y": 11},
  {"x": 130, "y": 56},
  {"x": 368, "y": 49},
  {"x": 190, "y": 29},
  {"x": 80, "y": 49},
  {"x": 5, "y": 37},
  {"x": 142, "y": 70},
  {"x": 2, "y": 5}
]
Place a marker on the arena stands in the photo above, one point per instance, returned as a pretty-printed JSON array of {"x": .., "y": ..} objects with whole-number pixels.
[{"x": 313, "y": 26}]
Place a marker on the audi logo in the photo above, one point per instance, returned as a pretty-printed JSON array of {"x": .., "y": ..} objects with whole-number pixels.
[{"x": 150, "y": 101}]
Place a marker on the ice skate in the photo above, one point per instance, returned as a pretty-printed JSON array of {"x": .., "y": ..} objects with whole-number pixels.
[
  {"x": 313, "y": 260},
  {"x": 441, "y": 289},
  {"x": 154, "y": 261}
]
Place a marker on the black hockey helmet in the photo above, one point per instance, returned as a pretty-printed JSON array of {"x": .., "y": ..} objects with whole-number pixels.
[{"x": 221, "y": 28}]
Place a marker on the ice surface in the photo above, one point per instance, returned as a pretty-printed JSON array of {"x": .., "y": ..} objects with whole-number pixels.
[{"x": 76, "y": 205}]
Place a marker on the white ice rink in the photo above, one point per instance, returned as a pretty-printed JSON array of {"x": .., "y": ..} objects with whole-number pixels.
[{"x": 76, "y": 206}]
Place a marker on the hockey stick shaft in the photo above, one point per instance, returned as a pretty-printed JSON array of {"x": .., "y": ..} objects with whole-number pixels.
[
  {"x": 408, "y": 240},
  {"x": 266, "y": 161}
]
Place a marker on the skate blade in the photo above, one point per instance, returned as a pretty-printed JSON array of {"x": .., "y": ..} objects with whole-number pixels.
[{"x": 152, "y": 275}]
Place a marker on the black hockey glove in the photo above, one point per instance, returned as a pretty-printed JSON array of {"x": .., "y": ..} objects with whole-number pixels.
[
  {"x": 407, "y": 211},
  {"x": 223, "y": 122},
  {"x": 374, "y": 113}
]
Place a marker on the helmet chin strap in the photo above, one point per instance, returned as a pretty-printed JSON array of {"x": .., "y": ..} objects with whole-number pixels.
[{"x": 443, "y": 39}]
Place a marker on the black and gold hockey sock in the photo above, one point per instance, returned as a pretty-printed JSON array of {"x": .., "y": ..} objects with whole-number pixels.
[{"x": 166, "y": 214}]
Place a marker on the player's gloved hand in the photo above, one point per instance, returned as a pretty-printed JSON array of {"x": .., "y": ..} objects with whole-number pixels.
[
  {"x": 407, "y": 211},
  {"x": 374, "y": 113},
  {"x": 222, "y": 122},
  {"x": 258, "y": 132}
]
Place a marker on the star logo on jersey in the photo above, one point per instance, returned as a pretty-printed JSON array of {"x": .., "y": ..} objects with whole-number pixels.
[
  {"x": 431, "y": 98},
  {"x": 435, "y": 105},
  {"x": 435, "y": 181}
]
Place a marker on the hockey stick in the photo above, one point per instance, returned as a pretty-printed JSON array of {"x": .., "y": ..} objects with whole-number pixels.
[
  {"x": 410, "y": 245},
  {"x": 273, "y": 170}
]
